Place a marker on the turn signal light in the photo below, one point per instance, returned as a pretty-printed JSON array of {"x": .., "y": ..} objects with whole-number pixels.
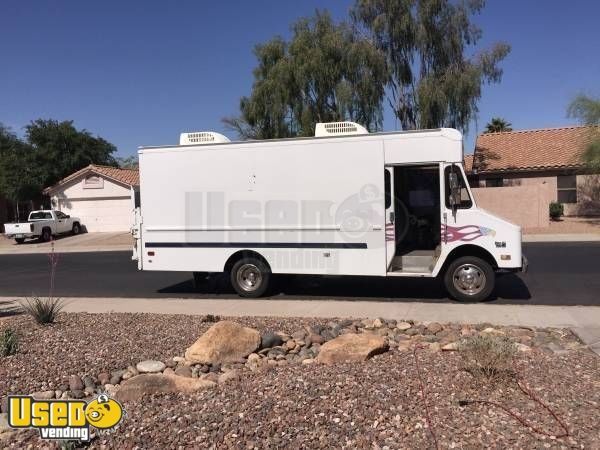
[{"x": 505, "y": 257}]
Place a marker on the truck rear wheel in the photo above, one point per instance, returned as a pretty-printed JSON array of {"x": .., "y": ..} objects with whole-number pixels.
[
  {"x": 469, "y": 279},
  {"x": 46, "y": 235},
  {"x": 76, "y": 229},
  {"x": 250, "y": 277}
]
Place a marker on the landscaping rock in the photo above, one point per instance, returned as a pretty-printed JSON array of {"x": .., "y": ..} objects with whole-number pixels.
[
  {"x": 434, "y": 327},
  {"x": 224, "y": 342},
  {"x": 269, "y": 340},
  {"x": 229, "y": 376},
  {"x": 152, "y": 383},
  {"x": 76, "y": 383},
  {"x": 403, "y": 326},
  {"x": 150, "y": 366},
  {"x": 169, "y": 371},
  {"x": 351, "y": 347},
  {"x": 523, "y": 348},
  {"x": 4, "y": 427},
  {"x": 104, "y": 378},
  {"x": 77, "y": 393},
  {"x": 451, "y": 347},
  {"x": 184, "y": 371},
  {"x": 44, "y": 395}
]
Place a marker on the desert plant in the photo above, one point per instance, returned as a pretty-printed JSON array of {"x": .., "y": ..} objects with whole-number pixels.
[
  {"x": 9, "y": 342},
  {"x": 211, "y": 318},
  {"x": 488, "y": 356},
  {"x": 43, "y": 310},
  {"x": 556, "y": 210}
]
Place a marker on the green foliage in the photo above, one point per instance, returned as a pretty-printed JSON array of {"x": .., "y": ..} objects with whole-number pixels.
[
  {"x": 556, "y": 210},
  {"x": 43, "y": 310},
  {"x": 497, "y": 125},
  {"x": 325, "y": 73},
  {"x": 9, "y": 342},
  {"x": 488, "y": 356},
  {"x": 587, "y": 111},
  {"x": 432, "y": 82},
  {"x": 50, "y": 151}
]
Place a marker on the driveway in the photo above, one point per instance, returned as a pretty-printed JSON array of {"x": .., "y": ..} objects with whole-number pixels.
[{"x": 85, "y": 242}]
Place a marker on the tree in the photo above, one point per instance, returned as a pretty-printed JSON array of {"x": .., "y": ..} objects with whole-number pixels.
[
  {"x": 60, "y": 149},
  {"x": 432, "y": 82},
  {"x": 20, "y": 178},
  {"x": 127, "y": 162},
  {"x": 587, "y": 110},
  {"x": 325, "y": 73},
  {"x": 497, "y": 125}
]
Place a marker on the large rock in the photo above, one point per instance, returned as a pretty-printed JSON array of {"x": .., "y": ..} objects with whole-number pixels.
[
  {"x": 223, "y": 342},
  {"x": 351, "y": 347},
  {"x": 152, "y": 383}
]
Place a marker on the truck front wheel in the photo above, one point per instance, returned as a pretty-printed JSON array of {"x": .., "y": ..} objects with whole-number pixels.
[
  {"x": 469, "y": 279},
  {"x": 250, "y": 277},
  {"x": 19, "y": 240}
]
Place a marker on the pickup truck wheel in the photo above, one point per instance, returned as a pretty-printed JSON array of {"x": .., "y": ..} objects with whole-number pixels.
[
  {"x": 46, "y": 235},
  {"x": 19, "y": 240},
  {"x": 250, "y": 277},
  {"x": 76, "y": 229},
  {"x": 469, "y": 279}
]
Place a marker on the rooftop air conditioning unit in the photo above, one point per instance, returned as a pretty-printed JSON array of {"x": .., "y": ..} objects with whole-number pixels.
[
  {"x": 339, "y": 129},
  {"x": 202, "y": 138}
]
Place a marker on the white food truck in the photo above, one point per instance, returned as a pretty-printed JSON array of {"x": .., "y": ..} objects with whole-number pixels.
[{"x": 345, "y": 202}]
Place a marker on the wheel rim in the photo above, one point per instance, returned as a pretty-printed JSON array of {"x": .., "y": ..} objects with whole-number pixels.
[
  {"x": 469, "y": 279},
  {"x": 249, "y": 277},
  {"x": 76, "y": 229}
]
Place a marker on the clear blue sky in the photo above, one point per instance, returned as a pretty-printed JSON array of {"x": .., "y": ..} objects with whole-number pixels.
[{"x": 141, "y": 72}]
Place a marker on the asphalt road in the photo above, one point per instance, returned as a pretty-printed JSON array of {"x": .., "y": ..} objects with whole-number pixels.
[{"x": 560, "y": 274}]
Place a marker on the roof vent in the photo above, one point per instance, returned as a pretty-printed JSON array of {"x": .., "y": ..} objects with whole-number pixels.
[
  {"x": 202, "y": 138},
  {"x": 339, "y": 129}
]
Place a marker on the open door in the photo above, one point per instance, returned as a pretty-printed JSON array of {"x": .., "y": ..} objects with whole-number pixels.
[{"x": 390, "y": 227}]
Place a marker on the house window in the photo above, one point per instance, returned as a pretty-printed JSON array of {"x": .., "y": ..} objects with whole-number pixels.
[
  {"x": 93, "y": 182},
  {"x": 494, "y": 182},
  {"x": 566, "y": 188}
]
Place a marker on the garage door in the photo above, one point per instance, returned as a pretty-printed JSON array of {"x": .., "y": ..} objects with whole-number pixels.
[{"x": 113, "y": 214}]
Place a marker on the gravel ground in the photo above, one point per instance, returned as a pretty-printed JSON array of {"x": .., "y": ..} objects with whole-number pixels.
[{"x": 375, "y": 404}]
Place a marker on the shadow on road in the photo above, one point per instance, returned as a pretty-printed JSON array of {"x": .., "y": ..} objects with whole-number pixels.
[{"x": 508, "y": 287}]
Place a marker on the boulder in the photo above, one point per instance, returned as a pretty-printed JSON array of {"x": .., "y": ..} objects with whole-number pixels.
[
  {"x": 152, "y": 383},
  {"x": 403, "y": 326},
  {"x": 351, "y": 347},
  {"x": 225, "y": 341}
]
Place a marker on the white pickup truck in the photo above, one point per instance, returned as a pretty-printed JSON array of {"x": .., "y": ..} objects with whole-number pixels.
[{"x": 43, "y": 225}]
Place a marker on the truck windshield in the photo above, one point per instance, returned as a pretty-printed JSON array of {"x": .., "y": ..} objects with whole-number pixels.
[{"x": 40, "y": 215}]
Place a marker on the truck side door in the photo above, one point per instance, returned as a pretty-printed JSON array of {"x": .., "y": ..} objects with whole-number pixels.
[{"x": 62, "y": 222}]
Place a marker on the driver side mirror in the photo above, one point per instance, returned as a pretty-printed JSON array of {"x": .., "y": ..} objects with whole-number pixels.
[
  {"x": 454, "y": 189},
  {"x": 68, "y": 216}
]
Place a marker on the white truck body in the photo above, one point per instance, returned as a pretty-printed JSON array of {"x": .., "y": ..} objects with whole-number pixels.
[
  {"x": 42, "y": 224},
  {"x": 315, "y": 206}
]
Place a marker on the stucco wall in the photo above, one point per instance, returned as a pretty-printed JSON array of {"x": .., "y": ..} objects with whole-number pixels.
[
  {"x": 525, "y": 205},
  {"x": 588, "y": 197}
]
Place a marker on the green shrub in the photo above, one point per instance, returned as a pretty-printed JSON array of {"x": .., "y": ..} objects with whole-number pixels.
[
  {"x": 9, "y": 343},
  {"x": 488, "y": 356},
  {"x": 43, "y": 310},
  {"x": 556, "y": 210}
]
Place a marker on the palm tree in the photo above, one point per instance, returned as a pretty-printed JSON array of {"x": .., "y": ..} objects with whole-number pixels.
[{"x": 497, "y": 125}]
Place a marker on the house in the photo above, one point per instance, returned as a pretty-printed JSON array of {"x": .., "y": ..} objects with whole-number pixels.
[
  {"x": 102, "y": 197},
  {"x": 550, "y": 157}
]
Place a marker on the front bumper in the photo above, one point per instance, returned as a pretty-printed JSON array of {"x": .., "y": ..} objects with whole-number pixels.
[
  {"x": 524, "y": 267},
  {"x": 524, "y": 264}
]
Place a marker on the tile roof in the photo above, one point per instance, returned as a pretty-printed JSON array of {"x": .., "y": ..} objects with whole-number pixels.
[
  {"x": 549, "y": 148},
  {"x": 468, "y": 163},
  {"x": 130, "y": 177}
]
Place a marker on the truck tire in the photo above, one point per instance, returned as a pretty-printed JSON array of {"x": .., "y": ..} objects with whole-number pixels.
[
  {"x": 250, "y": 277},
  {"x": 46, "y": 235},
  {"x": 469, "y": 279},
  {"x": 76, "y": 229},
  {"x": 19, "y": 240}
]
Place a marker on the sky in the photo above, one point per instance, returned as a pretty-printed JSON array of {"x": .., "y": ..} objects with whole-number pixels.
[{"x": 141, "y": 72}]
